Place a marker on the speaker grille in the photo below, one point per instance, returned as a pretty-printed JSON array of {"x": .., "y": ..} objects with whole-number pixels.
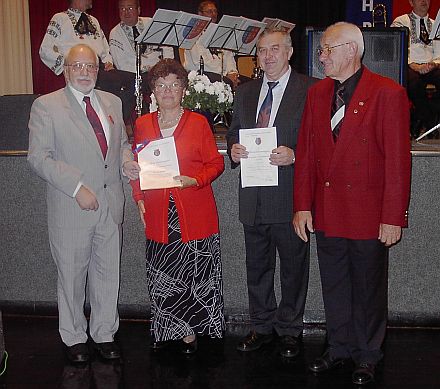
[{"x": 386, "y": 52}]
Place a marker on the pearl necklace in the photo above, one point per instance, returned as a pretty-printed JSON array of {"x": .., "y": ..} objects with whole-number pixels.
[{"x": 165, "y": 122}]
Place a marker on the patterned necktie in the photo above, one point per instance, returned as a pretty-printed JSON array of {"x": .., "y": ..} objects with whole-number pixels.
[
  {"x": 424, "y": 36},
  {"x": 338, "y": 110},
  {"x": 84, "y": 26},
  {"x": 266, "y": 107},
  {"x": 135, "y": 32},
  {"x": 96, "y": 125}
]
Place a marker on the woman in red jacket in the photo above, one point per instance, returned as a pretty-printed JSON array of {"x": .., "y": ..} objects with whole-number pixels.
[{"x": 181, "y": 223}]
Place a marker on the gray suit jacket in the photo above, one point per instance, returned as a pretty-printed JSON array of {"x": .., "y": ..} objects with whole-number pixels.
[
  {"x": 275, "y": 202},
  {"x": 63, "y": 150}
]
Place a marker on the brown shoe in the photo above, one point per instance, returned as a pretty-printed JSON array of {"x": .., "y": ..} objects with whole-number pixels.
[{"x": 253, "y": 341}]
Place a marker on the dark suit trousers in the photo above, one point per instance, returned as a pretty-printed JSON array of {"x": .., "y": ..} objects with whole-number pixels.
[
  {"x": 354, "y": 277},
  {"x": 261, "y": 241}
]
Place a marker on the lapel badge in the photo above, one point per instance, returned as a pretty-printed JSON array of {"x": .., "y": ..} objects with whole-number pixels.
[
  {"x": 361, "y": 103},
  {"x": 156, "y": 152}
]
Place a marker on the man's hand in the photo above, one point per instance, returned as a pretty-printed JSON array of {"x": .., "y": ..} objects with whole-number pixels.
[
  {"x": 238, "y": 151},
  {"x": 86, "y": 199},
  {"x": 141, "y": 208},
  {"x": 423, "y": 68},
  {"x": 108, "y": 66},
  {"x": 389, "y": 234},
  {"x": 282, "y": 156},
  {"x": 234, "y": 77},
  {"x": 301, "y": 221},
  {"x": 131, "y": 169},
  {"x": 186, "y": 181}
]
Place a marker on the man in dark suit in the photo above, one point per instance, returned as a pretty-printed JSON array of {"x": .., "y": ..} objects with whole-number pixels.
[
  {"x": 265, "y": 211},
  {"x": 78, "y": 145},
  {"x": 352, "y": 184}
]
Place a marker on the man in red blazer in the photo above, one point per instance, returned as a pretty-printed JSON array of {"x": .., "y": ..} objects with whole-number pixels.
[{"x": 352, "y": 185}]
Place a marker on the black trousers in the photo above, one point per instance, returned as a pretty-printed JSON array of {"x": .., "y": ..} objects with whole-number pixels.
[
  {"x": 354, "y": 277},
  {"x": 425, "y": 111},
  {"x": 262, "y": 241}
]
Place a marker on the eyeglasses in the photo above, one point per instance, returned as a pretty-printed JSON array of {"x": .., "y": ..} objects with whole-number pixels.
[
  {"x": 174, "y": 87},
  {"x": 78, "y": 67},
  {"x": 127, "y": 9},
  {"x": 328, "y": 49}
]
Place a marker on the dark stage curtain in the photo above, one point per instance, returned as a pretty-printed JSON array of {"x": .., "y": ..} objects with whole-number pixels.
[{"x": 40, "y": 12}]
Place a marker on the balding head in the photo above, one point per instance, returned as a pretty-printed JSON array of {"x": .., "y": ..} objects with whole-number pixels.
[
  {"x": 342, "y": 47},
  {"x": 81, "y": 68}
]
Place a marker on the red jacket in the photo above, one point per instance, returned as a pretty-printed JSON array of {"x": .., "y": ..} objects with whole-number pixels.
[
  {"x": 364, "y": 179},
  {"x": 198, "y": 158}
]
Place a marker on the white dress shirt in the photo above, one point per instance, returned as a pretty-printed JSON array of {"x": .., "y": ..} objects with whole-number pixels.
[
  {"x": 418, "y": 52},
  {"x": 61, "y": 36},
  {"x": 123, "y": 50},
  {"x": 277, "y": 93}
]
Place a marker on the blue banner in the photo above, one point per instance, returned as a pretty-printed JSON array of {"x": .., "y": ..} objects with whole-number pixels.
[{"x": 364, "y": 12}]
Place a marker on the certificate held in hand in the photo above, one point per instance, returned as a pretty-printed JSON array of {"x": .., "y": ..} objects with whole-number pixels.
[
  {"x": 256, "y": 169},
  {"x": 159, "y": 164}
]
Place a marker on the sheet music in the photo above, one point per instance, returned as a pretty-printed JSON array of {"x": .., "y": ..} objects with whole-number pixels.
[
  {"x": 173, "y": 28},
  {"x": 278, "y": 23},
  {"x": 234, "y": 33}
]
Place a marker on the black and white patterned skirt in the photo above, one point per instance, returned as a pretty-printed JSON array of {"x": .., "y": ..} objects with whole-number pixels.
[{"x": 185, "y": 284}]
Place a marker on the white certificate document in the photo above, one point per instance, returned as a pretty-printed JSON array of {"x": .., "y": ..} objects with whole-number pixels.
[
  {"x": 256, "y": 169},
  {"x": 159, "y": 164}
]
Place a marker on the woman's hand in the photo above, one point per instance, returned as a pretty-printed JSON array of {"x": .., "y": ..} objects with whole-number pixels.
[
  {"x": 186, "y": 181},
  {"x": 141, "y": 208}
]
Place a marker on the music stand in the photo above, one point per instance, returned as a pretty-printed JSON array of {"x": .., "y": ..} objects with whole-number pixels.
[
  {"x": 173, "y": 28},
  {"x": 434, "y": 35}
]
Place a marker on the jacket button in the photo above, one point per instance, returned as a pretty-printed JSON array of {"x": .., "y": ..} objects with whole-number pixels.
[
  {"x": 327, "y": 183},
  {"x": 105, "y": 166},
  {"x": 348, "y": 186},
  {"x": 105, "y": 186}
]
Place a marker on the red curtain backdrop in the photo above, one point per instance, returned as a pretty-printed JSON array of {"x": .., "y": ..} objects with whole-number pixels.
[
  {"x": 401, "y": 7},
  {"x": 40, "y": 12}
]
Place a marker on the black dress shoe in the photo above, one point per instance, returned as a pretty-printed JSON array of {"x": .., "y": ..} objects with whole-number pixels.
[
  {"x": 156, "y": 346},
  {"x": 78, "y": 353},
  {"x": 108, "y": 350},
  {"x": 325, "y": 363},
  {"x": 253, "y": 341},
  {"x": 188, "y": 348},
  {"x": 363, "y": 374},
  {"x": 289, "y": 346}
]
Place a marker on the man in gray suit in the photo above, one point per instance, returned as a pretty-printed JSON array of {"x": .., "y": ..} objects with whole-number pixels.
[
  {"x": 78, "y": 145},
  {"x": 276, "y": 100}
]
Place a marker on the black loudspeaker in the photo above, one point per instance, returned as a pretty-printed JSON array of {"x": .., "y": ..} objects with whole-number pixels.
[
  {"x": 14, "y": 119},
  {"x": 386, "y": 52}
]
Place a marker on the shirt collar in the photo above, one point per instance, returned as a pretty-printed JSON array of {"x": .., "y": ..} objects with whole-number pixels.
[
  {"x": 282, "y": 80},
  {"x": 79, "y": 96}
]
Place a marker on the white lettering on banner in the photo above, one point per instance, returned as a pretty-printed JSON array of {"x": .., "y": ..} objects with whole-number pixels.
[{"x": 367, "y": 4}]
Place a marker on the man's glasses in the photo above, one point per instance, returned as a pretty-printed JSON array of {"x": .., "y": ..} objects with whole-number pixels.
[
  {"x": 127, "y": 9},
  {"x": 174, "y": 87},
  {"x": 328, "y": 49},
  {"x": 78, "y": 67}
]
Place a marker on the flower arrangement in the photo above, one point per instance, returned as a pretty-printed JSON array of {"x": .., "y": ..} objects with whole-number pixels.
[{"x": 205, "y": 95}]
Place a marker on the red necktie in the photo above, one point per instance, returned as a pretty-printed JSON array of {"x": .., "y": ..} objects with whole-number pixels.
[
  {"x": 96, "y": 125},
  {"x": 266, "y": 107}
]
